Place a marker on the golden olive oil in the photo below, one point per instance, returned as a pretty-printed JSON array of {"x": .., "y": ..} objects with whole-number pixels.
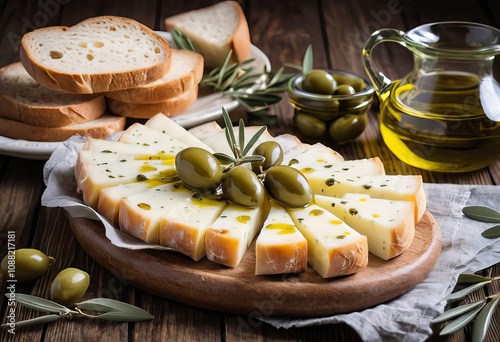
[{"x": 437, "y": 123}]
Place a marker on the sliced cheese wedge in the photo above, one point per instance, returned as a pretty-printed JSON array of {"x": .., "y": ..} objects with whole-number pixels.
[
  {"x": 109, "y": 198},
  {"x": 183, "y": 228},
  {"x": 139, "y": 214},
  {"x": 163, "y": 124},
  {"x": 139, "y": 134},
  {"x": 280, "y": 246},
  {"x": 389, "y": 225},
  {"x": 334, "y": 248},
  {"x": 311, "y": 155},
  {"x": 393, "y": 187},
  {"x": 228, "y": 238},
  {"x": 110, "y": 146},
  {"x": 93, "y": 178}
]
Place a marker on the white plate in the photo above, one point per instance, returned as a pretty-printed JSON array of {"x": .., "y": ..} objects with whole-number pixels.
[{"x": 206, "y": 108}]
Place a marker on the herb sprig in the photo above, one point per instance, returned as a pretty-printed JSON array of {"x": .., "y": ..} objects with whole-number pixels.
[
  {"x": 96, "y": 308},
  {"x": 479, "y": 313}
]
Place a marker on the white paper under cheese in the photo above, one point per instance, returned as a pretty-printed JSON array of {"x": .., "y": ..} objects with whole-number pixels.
[
  {"x": 228, "y": 238},
  {"x": 139, "y": 214},
  {"x": 183, "y": 228},
  {"x": 280, "y": 247},
  {"x": 389, "y": 225},
  {"x": 334, "y": 248}
]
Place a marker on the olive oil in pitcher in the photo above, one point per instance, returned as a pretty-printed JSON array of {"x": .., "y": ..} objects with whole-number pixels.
[{"x": 436, "y": 122}]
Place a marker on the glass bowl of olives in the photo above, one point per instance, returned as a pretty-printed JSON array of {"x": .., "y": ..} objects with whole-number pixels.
[{"x": 330, "y": 103}]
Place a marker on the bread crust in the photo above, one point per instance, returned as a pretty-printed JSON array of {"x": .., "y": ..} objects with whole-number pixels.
[
  {"x": 163, "y": 90},
  {"x": 99, "y": 128},
  {"x": 85, "y": 83},
  {"x": 171, "y": 107}
]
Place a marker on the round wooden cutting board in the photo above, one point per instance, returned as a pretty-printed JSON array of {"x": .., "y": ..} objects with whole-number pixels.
[{"x": 209, "y": 285}]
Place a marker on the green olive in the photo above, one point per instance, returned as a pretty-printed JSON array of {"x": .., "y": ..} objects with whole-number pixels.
[
  {"x": 241, "y": 185},
  {"x": 347, "y": 127},
  {"x": 271, "y": 151},
  {"x": 26, "y": 265},
  {"x": 198, "y": 169},
  {"x": 69, "y": 286},
  {"x": 288, "y": 186},
  {"x": 310, "y": 126},
  {"x": 357, "y": 83},
  {"x": 319, "y": 82},
  {"x": 344, "y": 89}
]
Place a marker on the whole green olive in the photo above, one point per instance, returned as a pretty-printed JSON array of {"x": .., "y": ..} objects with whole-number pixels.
[
  {"x": 347, "y": 127},
  {"x": 26, "y": 265},
  {"x": 319, "y": 82},
  {"x": 198, "y": 169},
  {"x": 309, "y": 126},
  {"x": 271, "y": 151},
  {"x": 69, "y": 286},
  {"x": 288, "y": 186},
  {"x": 241, "y": 185},
  {"x": 344, "y": 89}
]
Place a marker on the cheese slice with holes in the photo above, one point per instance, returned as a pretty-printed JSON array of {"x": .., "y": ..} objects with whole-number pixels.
[
  {"x": 393, "y": 187},
  {"x": 139, "y": 134},
  {"x": 389, "y": 225},
  {"x": 139, "y": 214},
  {"x": 228, "y": 238},
  {"x": 311, "y": 155},
  {"x": 93, "y": 178},
  {"x": 183, "y": 228},
  {"x": 109, "y": 199},
  {"x": 163, "y": 124},
  {"x": 334, "y": 248},
  {"x": 280, "y": 247},
  {"x": 111, "y": 146}
]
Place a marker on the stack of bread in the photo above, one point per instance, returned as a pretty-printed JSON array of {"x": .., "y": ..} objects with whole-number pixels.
[{"x": 88, "y": 78}]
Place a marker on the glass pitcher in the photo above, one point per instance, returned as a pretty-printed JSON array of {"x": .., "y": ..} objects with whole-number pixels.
[{"x": 445, "y": 114}]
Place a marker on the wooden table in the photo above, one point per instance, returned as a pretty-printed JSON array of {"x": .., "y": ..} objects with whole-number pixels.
[{"x": 282, "y": 30}]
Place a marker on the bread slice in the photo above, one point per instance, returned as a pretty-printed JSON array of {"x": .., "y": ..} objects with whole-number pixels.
[
  {"x": 185, "y": 73},
  {"x": 99, "y": 54},
  {"x": 171, "y": 107},
  {"x": 25, "y": 100},
  {"x": 98, "y": 128},
  {"x": 215, "y": 30}
]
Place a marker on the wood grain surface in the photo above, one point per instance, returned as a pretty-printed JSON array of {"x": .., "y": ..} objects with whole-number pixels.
[{"x": 337, "y": 30}]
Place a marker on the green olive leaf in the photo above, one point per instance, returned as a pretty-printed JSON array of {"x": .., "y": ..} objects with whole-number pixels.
[
  {"x": 181, "y": 41},
  {"x": 36, "y": 320},
  {"x": 307, "y": 62},
  {"x": 452, "y": 313},
  {"x": 115, "y": 310},
  {"x": 483, "y": 320},
  {"x": 223, "y": 69},
  {"x": 471, "y": 278},
  {"x": 254, "y": 139},
  {"x": 241, "y": 134},
  {"x": 491, "y": 233},
  {"x": 461, "y": 321},
  {"x": 40, "y": 304},
  {"x": 224, "y": 158},
  {"x": 481, "y": 213},
  {"x": 252, "y": 159},
  {"x": 453, "y": 297}
]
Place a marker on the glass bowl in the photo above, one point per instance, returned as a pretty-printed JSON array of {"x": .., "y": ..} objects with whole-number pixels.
[{"x": 339, "y": 117}]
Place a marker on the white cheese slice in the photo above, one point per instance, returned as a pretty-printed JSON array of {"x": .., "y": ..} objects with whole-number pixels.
[
  {"x": 138, "y": 134},
  {"x": 312, "y": 154},
  {"x": 93, "y": 178},
  {"x": 228, "y": 238},
  {"x": 393, "y": 187},
  {"x": 109, "y": 198},
  {"x": 334, "y": 248},
  {"x": 139, "y": 214},
  {"x": 110, "y": 146},
  {"x": 183, "y": 228},
  {"x": 389, "y": 225},
  {"x": 280, "y": 247},
  {"x": 163, "y": 124}
]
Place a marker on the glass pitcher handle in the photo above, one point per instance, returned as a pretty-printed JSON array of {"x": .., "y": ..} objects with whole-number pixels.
[{"x": 379, "y": 80}]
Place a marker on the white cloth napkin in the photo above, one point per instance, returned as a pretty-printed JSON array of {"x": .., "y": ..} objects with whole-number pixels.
[{"x": 406, "y": 318}]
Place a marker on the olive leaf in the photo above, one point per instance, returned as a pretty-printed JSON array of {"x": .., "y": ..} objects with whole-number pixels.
[
  {"x": 467, "y": 278},
  {"x": 115, "y": 310},
  {"x": 181, "y": 41},
  {"x": 452, "y": 297},
  {"x": 483, "y": 320},
  {"x": 307, "y": 62},
  {"x": 452, "y": 313},
  {"x": 461, "y": 321},
  {"x": 481, "y": 213},
  {"x": 491, "y": 233},
  {"x": 36, "y": 320},
  {"x": 40, "y": 304}
]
